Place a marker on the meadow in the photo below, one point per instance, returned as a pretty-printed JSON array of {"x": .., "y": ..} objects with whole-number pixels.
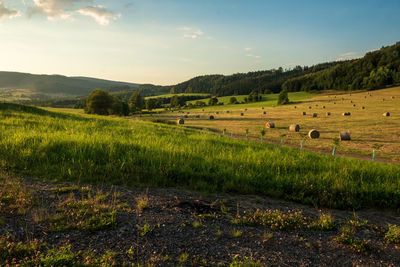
[
  {"x": 368, "y": 128},
  {"x": 58, "y": 146}
]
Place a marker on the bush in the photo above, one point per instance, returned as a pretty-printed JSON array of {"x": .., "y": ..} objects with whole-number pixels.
[{"x": 283, "y": 97}]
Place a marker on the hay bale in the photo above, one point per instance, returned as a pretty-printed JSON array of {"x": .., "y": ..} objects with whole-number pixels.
[
  {"x": 217, "y": 112},
  {"x": 344, "y": 136},
  {"x": 316, "y": 105},
  {"x": 354, "y": 105},
  {"x": 264, "y": 112},
  {"x": 180, "y": 121},
  {"x": 315, "y": 115},
  {"x": 270, "y": 125},
  {"x": 245, "y": 109},
  {"x": 313, "y": 134},
  {"x": 304, "y": 113},
  {"x": 386, "y": 114},
  {"x": 363, "y": 107},
  {"x": 241, "y": 114},
  {"x": 346, "y": 113},
  {"x": 351, "y": 101},
  {"x": 309, "y": 107},
  {"x": 227, "y": 111},
  {"x": 323, "y": 106},
  {"x": 334, "y": 103},
  {"x": 328, "y": 114},
  {"x": 186, "y": 116},
  {"x": 262, "y": 108},
  {"x": 295, "y": 107},
  {"x": 392, "y": 97},
  {"x": 294, "y": 128},
  {"x": 198, "y": 116},
  {"x": 212, "y": 117}
]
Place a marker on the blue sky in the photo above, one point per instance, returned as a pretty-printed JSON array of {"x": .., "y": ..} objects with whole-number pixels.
[{"x": 169, "y": 41}]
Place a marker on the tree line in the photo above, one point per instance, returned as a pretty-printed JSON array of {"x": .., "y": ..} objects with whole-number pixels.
[{"x": 375, "y": 70}]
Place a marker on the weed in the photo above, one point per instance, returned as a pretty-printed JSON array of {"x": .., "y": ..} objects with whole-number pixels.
[
  {"x": 267, "y": 237},
  {"x": 246, "y": 262},
  {"x": 274, "y": 219},
  {"x": 145, "y": 229},
  {"x": 183, "y": 258},
  {"x": 393, "y": 234},
  {"x": 325, "y": 222},
  {"x": 237, "y": 233},
  {"x": 142, "y": 202},
  {"x": 14, "y": 197},
  {"x": 196, "y": 224},
  {"x": 90, "y": 215}
]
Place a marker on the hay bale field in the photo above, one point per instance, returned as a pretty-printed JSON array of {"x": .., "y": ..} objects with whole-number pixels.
[{"x": 367, "y": 125}]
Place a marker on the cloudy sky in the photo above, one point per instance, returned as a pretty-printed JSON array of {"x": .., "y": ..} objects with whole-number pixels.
[{"x": 169, "y": 41}]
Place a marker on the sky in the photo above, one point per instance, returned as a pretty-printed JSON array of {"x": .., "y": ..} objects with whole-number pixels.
[{"x": 169, "y": 41}]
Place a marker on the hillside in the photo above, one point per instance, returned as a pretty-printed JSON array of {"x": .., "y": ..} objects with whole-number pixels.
[{"x": 25, "y": 86}]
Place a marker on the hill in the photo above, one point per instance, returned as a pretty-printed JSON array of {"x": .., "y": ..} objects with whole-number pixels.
[{"x": 25, "y": 86}]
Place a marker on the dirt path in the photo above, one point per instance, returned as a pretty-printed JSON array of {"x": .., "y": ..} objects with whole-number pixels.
[{"x": 189, "y": 229}]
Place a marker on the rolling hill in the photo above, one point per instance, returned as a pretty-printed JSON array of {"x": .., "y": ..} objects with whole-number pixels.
[{"x": 27, "y": 86}]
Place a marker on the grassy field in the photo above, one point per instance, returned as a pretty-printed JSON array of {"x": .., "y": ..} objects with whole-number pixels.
[
  {"x": 369, "y": 129},
  {"x": 268, "y": 100},
  {"x": 171, "y": 95},
  {"x": 102, "y": 150}
]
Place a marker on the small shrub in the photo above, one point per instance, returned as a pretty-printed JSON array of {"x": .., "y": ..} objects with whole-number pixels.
[
  {"x": 142, "y": 202},
  {"x": 196, "y": 224},
  {"x": 325, "y": 222},
  {"x": 183, "y": 258},
  {"x": 145, "y": 229},
  {"x": 246, "y": 262},
  {"x": 393, "y": 234},
  {"x": 237, "y": 233}
]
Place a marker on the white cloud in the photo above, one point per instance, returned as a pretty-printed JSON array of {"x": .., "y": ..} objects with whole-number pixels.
[
  {"x": 66, "y": 8},
  {"x": 247, "y": 49},
  {"x": 54, "y": 8},
  {"x": 7, "y": 13},
  {"x": 253, "y": 56},
  {"x": 190, "y": 33},
  {"x": 99, "y": 13},
  {"x": 347, "y": 56}
]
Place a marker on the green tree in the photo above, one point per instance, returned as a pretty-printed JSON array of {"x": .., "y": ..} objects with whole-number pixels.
[
  {"x": 174, "y": 101},
  {"x": 136, "y": 102},
  {"x": 99, "y": 102},
  {"x": 150, "y": 104},
  {"x": 232, "y": 100},
  {"x": 283, "y": 97},
  {"x": 213, "y": 101}
]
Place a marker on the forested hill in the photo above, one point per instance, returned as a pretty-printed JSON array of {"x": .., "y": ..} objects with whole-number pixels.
[
  {"x": 375, "y": 70},
  {"x": 55, "y": 84},
  {"x": 244, "y": 83}
]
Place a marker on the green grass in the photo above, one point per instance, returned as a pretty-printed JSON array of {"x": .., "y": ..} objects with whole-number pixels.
[
  {"x": 183, "y": 94},
  {"x": 268, "y": 100},
  {"x": 101, "y": 150}
]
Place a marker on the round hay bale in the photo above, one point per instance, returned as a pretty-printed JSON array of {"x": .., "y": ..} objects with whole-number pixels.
[
  {"x": 304, "y": 113},
  {"x": 262, "y": 108},
  {"x": 315, "y": 115},
  {"x": 197, "y": 116},
  {"x": 217, "y": 112},
  {"x": 392, "y": 97},
  {"x": 313, "y": 134},
  {"x": 245, "y": 109},
  {"x": 212, "y": 117},
  {"x": 323, "y": 106},
  {"x": 180, "y": 121},
  {"x": 363, "y": 107},
  {"x": 309, "y": 107},
  {"x": 383, "y": 99},
  {"x": 386, "y": 114},
  {"x": 295, "y": 107},
  {"x": 202, "y": 110},
  {"x": 328, "y": 114},
  {"x": 351, "y": 101},
  {"x": 346, "y": 113},
  {"x": 316, "y": 105},
  {"x": 186, "y": 116},
  {"x": 354, "y": 105},
  {"x": 294, "y": 128},
  {"x": 334, "y": 103},
  {"x": 344, "y": 136},
  {"x": 241, "y": 114},
  {"x": 264, "y": 112},
  {"x": 270, "y": 125},
  {"x": 227, "y": 111}
]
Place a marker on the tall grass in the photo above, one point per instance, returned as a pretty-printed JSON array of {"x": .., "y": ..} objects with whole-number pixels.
[{"x": 91, "y": 149}]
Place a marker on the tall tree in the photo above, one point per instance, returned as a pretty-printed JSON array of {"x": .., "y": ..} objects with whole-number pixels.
[
  {"x": 99, "y": 102},
  {"x": 150, "y": 104},
  {"x": 136, "y": 102},
  {"x": 283, "y": 97}
]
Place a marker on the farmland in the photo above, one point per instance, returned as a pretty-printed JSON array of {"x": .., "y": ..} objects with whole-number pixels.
[{"x": 369, "y": 129}]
